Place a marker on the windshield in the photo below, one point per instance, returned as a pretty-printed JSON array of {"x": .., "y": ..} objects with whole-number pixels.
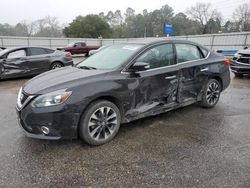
[
  {"x": 2, "y": 52},
  {"x": 111, "y": 57}
]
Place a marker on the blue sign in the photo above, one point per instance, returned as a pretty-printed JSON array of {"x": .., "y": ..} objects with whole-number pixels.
[{"x": 168, "y": 28}]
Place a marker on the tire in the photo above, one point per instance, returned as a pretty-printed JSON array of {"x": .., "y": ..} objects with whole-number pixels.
[
  {"x": 238, "y": 74},
  {"x": 56, "y": 65},
  {"x": 87, "y": 54},
  {"x": 211, "y": 93},
  {"x": 100, "y": 123}
]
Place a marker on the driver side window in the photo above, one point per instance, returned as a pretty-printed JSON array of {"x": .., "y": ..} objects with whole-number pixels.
[
  {"x": 159, "y": 56},
  {"x": 17, "y": 54}
]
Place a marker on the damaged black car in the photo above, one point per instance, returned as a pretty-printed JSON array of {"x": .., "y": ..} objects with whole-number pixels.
[{"x": 121, "y": 83}]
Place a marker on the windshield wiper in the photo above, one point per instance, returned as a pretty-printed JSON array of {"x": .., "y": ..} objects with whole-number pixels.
[{"x": 87, "y": 67}]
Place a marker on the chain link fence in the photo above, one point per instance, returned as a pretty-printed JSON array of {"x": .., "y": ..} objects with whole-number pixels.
[{"x": 224, "y": 41}]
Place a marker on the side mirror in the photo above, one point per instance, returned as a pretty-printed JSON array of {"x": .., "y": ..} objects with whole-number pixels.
[{"x": 139, "y": 66}]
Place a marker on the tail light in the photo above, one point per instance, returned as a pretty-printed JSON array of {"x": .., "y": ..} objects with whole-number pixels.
[
  {"x": 68, "y": 54},
  {"x": 227, "y": 62}
]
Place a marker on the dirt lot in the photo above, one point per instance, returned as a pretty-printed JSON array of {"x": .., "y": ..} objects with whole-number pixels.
[{"x": 188, "y": 147}]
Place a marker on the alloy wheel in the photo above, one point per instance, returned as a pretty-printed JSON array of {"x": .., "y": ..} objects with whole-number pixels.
[
  {"x": 213, "y": 93},
  {"x": 102, "y": 123},
  {"x": 56, "y": 66}
]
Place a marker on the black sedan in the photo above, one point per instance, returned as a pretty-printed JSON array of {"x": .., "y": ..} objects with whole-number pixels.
[
  {"x": 241, "y": 63},
  {"x": 119, "y": 84},
  {"x": 27, "y": 61}
]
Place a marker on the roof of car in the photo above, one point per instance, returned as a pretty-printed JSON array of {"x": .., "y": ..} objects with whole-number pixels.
[{"x": 147, "y": 41}]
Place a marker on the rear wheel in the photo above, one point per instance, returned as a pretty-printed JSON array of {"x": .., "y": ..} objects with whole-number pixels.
[
  {"x": 100, "y": 123},
  {"x": 56, "y": 65},
  {"x": 211, "y": 93}
]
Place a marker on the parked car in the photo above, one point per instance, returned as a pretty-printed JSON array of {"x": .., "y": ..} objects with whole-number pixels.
[
  {"x": 79, "y": 48},
  {"x": 26, "y": 61},
  {"x": 121, "y": 83},
  {"x": 2, "y": 48},
  {"x": 241, "y": 63},
  {"x": 92, "y": 52}
]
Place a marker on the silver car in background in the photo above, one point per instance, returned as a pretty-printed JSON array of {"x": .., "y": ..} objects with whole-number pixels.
[{"x": 29, "y": 61}]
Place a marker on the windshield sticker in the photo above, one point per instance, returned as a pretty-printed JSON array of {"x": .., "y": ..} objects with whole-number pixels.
[{"x": 132, "y": 48}]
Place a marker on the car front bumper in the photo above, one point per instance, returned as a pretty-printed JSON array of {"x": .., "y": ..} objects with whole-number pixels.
[
  {"x": 62, "y": 124},
  {"x": 240, "y": 68}
]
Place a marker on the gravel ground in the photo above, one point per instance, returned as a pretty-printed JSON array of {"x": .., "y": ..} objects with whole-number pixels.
[{"x": 188, "y": 147}]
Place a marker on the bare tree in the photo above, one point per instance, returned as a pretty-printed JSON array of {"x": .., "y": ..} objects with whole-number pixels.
[
  {"x": 203, "y": 12},
  {"x": 242, "y": 16}
]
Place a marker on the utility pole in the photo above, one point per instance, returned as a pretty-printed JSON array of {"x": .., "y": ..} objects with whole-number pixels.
[{"x": 145, "y": 31}]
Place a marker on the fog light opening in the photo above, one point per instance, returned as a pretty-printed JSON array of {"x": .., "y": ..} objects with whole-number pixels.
[{"x": 45, "y": 130}]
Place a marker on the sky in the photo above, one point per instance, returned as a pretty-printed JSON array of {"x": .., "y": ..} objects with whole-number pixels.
[{"x": 14, "y": 11}]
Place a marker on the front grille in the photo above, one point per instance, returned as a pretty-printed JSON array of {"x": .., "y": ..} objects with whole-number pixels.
[
  {"x": 244, "y": 55},
  {"x": 244, "y": 60}
]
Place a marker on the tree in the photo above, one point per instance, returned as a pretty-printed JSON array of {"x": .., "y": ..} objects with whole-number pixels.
[
  {"x": 158, "y": 17},
  {"x": 182, "y": 25},
  {"x": 203, "y": 12},
  {"x": 47, "y": 27},
  {"x": 241, "y": 16},
  {"x": 90, "y": 26}
]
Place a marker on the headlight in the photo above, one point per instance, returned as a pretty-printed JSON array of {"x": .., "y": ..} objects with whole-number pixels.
[
  {"x": 237, "y": 55},
  {"x": 51, "y": 99}
]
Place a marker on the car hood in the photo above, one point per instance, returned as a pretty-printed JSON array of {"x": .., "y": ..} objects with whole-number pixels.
[
  {"x": 62, "y": 78},
  {"x": 247, "y": 51}
]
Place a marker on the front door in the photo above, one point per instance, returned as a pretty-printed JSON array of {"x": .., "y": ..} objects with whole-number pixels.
[
  {"x": 157, "y": 87},
  {"x": 15, "y": 63}
]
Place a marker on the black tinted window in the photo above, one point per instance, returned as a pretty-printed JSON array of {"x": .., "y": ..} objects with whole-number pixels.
[
  {"x": 159, "y": 56},
  {"x": 37, "y": 51},
  {"x": 187, "y": 52},
  {"x": 49, "y": 51}
]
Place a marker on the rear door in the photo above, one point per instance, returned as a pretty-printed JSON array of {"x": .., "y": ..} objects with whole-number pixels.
[
  {"x": 39, "y": 60},
  {"x": 193, "y": 67},
  {"x": 157, "y": 87},
  {"x": 15, "y": 64}
]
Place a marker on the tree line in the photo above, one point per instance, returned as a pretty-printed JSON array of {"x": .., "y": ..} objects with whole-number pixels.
[{"x": 201, "y": 18}]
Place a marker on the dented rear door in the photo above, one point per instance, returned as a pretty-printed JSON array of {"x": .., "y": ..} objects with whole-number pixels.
[{"x": 192, "y": 64}]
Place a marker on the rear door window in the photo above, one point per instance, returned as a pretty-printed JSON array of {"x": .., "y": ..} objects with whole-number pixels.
[
  {"x": 204, "y": 51},
  {"x": 37, "y": 51},
  {"x": 187, "y": 52}
]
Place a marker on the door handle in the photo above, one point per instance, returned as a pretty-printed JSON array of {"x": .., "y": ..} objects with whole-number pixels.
[
  {"x": 204, "y": 69},
  {"x": 170, "y": 77}
]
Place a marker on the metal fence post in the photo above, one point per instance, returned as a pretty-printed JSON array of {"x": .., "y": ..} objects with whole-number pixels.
[
  {"x": 2, "y": 42},
  {"x": 212, "y": 43},
  {"x": 245, "y": 42}
]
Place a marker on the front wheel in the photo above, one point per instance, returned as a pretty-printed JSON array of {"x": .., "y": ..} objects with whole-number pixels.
[
  {"x": 100, "y": 123},
  {"x": 211, "y": 93}
]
